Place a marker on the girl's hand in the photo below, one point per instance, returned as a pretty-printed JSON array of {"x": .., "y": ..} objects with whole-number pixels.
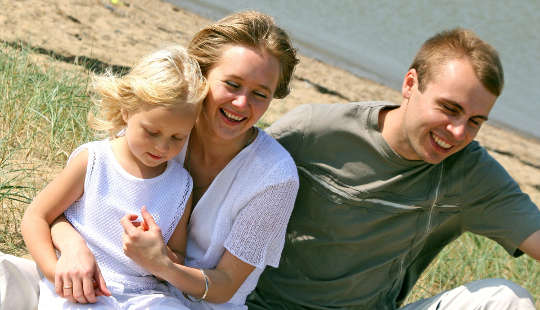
[
  {"x": 143, "y": 242},
  {"x": 176, "y": 258},
  {"x": 78, "y": 278}
]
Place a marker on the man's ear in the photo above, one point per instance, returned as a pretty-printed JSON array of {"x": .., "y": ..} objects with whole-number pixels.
[{"x": 409, "y": 82}]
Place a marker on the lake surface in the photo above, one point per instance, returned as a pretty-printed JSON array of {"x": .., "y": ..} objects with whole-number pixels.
[{"x": 378, "y": 39}]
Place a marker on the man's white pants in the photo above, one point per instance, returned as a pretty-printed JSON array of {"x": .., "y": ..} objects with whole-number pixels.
[{"x": 488, "y": 294}]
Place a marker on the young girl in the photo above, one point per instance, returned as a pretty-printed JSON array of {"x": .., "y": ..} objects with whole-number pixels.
[{"x": 148, "y": 115}]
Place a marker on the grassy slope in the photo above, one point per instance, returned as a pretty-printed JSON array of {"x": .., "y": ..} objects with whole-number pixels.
[
  {"x": 43, "y": 108},
  {"x": 43, "y": 118}
]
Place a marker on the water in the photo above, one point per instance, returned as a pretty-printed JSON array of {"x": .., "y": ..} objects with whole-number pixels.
[{"x": 378, "y": 39}]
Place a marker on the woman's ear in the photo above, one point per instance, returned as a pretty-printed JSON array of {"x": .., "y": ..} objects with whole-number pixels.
[
  {"x": 125, "y": 114},
  {"x": 409, "y": 82}
]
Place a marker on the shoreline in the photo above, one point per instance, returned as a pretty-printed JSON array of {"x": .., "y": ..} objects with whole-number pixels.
[
  {"x": 103, "y": 33},
  {"x": 522, "y": 134},
  {"x": 358, "y": 62}
]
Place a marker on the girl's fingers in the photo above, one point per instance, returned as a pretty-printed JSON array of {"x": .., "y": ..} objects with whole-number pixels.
[
  {"x": 148, "y": 219},
  {"x": 128, "y": 224}
]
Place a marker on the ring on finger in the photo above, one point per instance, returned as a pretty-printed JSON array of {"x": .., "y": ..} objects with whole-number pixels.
[{"x": 68, "y": 287}]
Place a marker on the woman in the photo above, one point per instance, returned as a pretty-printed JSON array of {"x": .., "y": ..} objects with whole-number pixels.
[{"x": 245, "y": 183}]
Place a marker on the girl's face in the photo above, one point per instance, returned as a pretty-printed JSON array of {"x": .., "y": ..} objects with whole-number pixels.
[
  {"x": 242, "y": 85},
  {"x": 155, "y": 134}
]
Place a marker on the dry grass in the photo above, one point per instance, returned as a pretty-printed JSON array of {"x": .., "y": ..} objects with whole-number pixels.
[
  {"x": 43, "y": 108},
  {"x": 472, "y": 257},
  {"x": 43, "y": 118}
]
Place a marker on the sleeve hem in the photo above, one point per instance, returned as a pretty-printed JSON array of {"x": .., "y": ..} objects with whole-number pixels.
[{"x": 260, "y": 265}]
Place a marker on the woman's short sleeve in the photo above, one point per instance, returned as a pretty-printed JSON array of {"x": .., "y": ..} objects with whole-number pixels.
[{"x": 258, "y": 233}]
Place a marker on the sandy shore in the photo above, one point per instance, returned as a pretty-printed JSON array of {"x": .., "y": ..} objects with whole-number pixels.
[{"x": 99, "y": 32}]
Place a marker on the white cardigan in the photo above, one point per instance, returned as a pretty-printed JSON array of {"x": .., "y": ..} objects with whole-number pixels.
[{"x": 245, "y": 210}]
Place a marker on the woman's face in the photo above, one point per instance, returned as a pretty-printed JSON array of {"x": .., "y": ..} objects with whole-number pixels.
[{"x": 242, "y": 85}]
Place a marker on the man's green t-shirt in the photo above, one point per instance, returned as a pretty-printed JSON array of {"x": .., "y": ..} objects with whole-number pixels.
[{"x": 367, "y": 222}]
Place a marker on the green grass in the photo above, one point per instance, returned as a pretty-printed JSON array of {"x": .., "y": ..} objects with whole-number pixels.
[
  {"x": 472, "y": 257},
  {"x": 43, "y": 118}
]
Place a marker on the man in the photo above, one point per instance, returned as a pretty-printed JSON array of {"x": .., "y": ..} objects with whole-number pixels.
[{"x": 383, "y": 188}]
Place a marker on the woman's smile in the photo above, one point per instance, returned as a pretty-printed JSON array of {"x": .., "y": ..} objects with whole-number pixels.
[{"x": 242, "y": 84}]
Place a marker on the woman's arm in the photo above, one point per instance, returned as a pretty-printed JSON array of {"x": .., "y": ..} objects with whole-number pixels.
[
  {"x": 76, "y": 265},
  {"x": 178, "y": 241},
  {"x": 147, "y": 248},
  {"x": 254, "y": 241}
]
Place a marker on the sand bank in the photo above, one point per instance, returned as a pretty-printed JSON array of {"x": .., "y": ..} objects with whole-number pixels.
[{"x": 99, "y": 32}]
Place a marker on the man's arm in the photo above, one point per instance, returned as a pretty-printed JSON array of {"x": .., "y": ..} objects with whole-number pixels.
[{"x": 531, "y": 245}]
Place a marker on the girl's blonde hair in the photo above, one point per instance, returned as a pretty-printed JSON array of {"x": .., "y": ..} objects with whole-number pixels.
[{"x": 168, "y": 77}]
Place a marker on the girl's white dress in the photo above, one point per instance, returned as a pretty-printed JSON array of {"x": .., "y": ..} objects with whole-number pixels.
[
  {"x": 245, "y": 211},
  {"x": 110, "y": 193}
]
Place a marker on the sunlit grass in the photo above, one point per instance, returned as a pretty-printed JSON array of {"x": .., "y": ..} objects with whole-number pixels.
[
  {"x": 43, "y": 112},
  {"x": 43, "y": 117},
  {"x": 472, "y": 257}
]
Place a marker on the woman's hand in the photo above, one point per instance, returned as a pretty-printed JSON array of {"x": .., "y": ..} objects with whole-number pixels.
[
  {"x": 77, "y": 267},
  {"x": 143, "y": 242},
  {"x": 78, "y": 278}
]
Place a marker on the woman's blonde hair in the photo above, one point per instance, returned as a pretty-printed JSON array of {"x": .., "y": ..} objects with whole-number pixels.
[
  {"x": 251, "y": 29},
  {"x": 168, "y": 77}
]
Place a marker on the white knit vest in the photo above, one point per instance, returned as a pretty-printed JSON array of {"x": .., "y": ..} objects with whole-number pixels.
[
  {"x": 110, "y": 193},
  {"x": 245, "y": 211}
]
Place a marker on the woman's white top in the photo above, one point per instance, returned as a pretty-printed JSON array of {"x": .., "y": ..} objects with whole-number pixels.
[
  {"x": 245, "y": 211},
  {"x": 110, "y": 192}
]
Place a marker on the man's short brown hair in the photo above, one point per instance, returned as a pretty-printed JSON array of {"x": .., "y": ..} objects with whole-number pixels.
[{"x": 454, "y": 44}]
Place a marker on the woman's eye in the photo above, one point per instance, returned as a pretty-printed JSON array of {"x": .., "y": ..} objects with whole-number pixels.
[
  {"x": 262, "y": 95},
  {"x": 178, "y": 138},
  {"x": 232, "y": 84}
]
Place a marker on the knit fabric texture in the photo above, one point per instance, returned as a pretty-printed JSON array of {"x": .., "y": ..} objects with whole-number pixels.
[
  {"x": 110, "y": 193},
  {"x": 245, "y": 211}
]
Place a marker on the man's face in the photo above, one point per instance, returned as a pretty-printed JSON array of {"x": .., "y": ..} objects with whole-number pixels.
[{"x": 446, "y": 117}]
